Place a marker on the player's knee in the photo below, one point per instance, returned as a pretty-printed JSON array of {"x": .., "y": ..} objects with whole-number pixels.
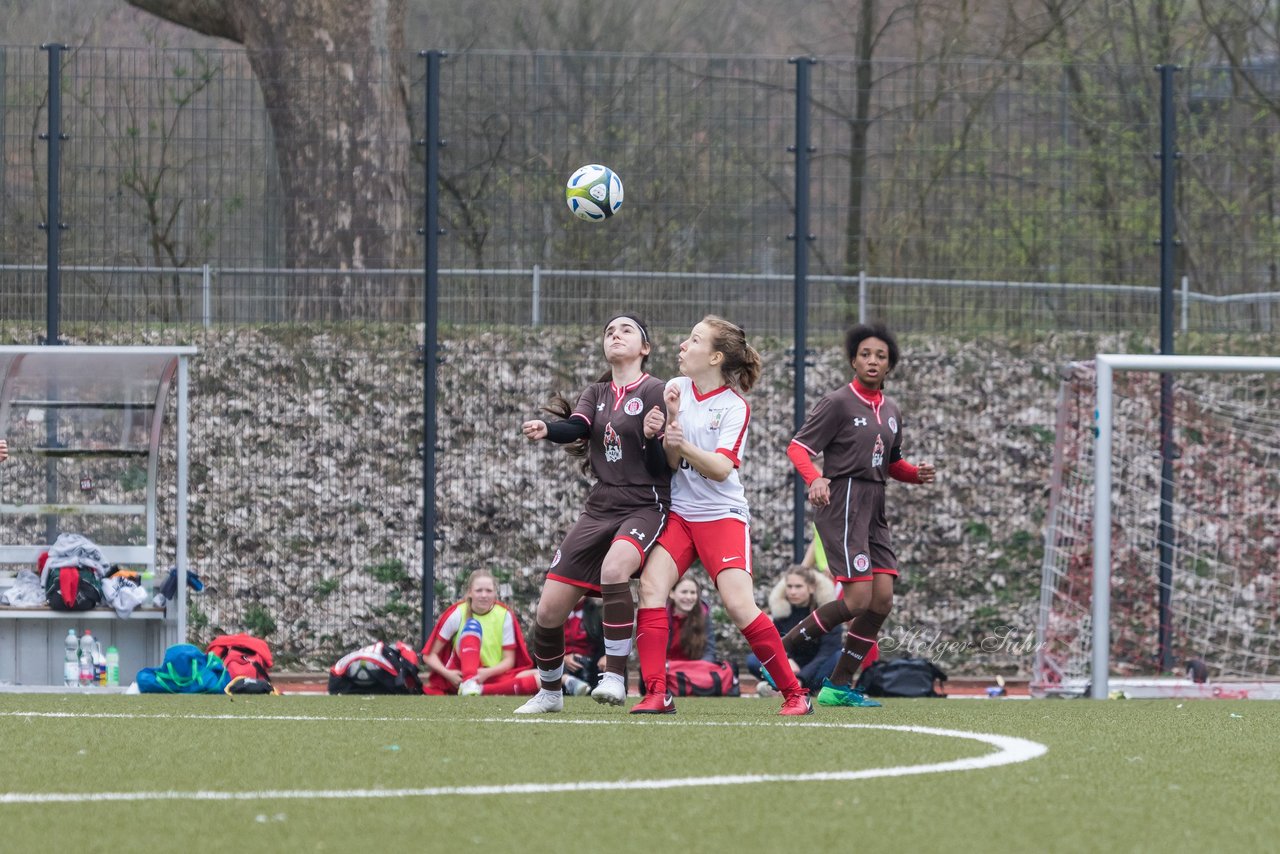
[
  {"x": 653, "y": 592},
  {"x": 857, "y": 597},
  {"x": 614, "y": 574}
]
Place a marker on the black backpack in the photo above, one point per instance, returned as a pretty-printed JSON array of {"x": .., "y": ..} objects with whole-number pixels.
[
  {"x": 380, "y": 668},
  {"x": 73, "y": 588},
  {"x": 901, "y": 677}
]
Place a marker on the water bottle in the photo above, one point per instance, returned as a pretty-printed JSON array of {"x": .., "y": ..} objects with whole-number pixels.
[
  {"x": 70, "y": 661},
  {"x": 99, "y": 665},
  {"x": 113, "y": 667},
  {"x": 86, "y": 658}
]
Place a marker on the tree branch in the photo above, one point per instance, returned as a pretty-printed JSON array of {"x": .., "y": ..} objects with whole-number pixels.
[{"x": 210, "y": 17}]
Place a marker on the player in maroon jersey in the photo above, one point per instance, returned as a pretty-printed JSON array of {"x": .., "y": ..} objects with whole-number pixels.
[
  {"x": 705, "y": 440},
  {"x": 617, "y": 423},
  {"x": 858, "y": 431}
]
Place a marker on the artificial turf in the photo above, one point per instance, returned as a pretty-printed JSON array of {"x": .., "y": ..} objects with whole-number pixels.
[{"x": 315, "y": 773}]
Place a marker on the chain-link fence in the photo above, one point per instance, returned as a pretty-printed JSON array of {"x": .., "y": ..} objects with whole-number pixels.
[{"x": 1001, "y": 216}]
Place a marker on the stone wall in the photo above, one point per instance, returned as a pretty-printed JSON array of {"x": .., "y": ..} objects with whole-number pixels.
[{"x": 306, "y": 492}]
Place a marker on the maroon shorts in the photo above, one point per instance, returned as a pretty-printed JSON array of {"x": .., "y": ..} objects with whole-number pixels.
[
  {"x": 855, "y": 532},
  {"x": 578, "y": 559}
]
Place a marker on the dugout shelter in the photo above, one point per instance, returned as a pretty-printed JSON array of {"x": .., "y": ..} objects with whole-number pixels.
[{"x": 90, "y": 454}]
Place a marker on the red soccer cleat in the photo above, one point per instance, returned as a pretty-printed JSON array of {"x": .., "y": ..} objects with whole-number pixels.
[
  {"x": 797, "y": 704},
  {"x": 655, "y": 704}
]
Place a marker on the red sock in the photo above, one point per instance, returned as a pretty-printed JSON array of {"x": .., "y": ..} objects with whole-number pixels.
[
  {"x": 652, "y": 630},
  {"x": 763, "y": 638},
  {"x": 520, "y": 684},
  {"x": 469, "y": 649}
]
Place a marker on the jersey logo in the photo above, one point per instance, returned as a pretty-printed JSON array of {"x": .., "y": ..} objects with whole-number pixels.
[
  {"x": 612, "y": 444},
  {"x": 633, "y": 406},
  {"x": 600, "y": 406},
  {"x": 714, "y": 423},
  {"x": 877, "y": 453},
  {"x": 555, "y": 560},
  {"x": 859, "y": 422},
  {"x": 893, "y": 424},
  {"x": 861, "y": 563},
  {"x": 639, "y": 535}
]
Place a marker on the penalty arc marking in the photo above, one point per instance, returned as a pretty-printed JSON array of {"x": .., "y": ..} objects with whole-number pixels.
[{"x": 1009, "y": 750}]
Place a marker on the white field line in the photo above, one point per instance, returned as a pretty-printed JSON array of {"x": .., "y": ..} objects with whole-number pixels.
[{"x": 1009, "y": 750}]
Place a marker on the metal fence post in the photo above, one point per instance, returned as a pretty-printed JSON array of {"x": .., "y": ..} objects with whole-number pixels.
[
  {"x": 1168, "y": 242},
  {"x": 1186, "y": 297},
  {"x": 53, "y": 225},
  {"x": 802, "y": 238},
  {"x": 206, "y": 296},
  {"x": 537, "y": 295},
  {"x": 431, "y": 322},
  {"x": 862, "y": 296}
]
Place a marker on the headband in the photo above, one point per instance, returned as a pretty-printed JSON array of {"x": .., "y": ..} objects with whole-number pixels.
[{"x": 644, "y": 333}]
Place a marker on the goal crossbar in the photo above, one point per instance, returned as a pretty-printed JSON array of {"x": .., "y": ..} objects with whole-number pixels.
[{"x": 1106, "y": 364}]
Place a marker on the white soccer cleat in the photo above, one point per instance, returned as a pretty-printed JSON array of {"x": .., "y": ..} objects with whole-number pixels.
[
  {"x": 612, "y": 690},
  {"x": 542, "y": 703},
  {"x": 469, "y": 688}
]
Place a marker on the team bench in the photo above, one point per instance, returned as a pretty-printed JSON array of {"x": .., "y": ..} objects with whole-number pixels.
[{"x": 32, "y": 636}]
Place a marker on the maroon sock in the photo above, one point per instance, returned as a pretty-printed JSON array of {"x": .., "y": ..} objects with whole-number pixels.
[
  {"x": 548, "y": 655},
  {"x": 619, "y": 617},
  {"x": 820, "y": 621},
  {"x": 857, "y": 643}
]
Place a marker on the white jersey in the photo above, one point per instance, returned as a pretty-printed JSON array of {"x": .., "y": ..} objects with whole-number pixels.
[{"x": 715, "y": 422}]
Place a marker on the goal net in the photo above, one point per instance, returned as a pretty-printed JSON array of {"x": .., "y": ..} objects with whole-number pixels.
[{"x": 1100, "y": 622}]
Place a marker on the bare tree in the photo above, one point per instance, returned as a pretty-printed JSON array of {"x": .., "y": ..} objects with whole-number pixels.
[{"x": 335, "y": 92}]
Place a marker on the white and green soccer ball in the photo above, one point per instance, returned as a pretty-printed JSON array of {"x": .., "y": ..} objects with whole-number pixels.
[
  {"x": 362, "y": 671},
  {"x": 594, "y": 192}
]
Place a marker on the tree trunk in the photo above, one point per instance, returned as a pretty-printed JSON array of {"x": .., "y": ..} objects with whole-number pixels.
[
  {"x": 335, "y": 92},
  {"x": 859, "y": 130}
]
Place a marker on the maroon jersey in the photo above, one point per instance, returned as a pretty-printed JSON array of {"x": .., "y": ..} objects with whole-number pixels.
[
  {"x": 616, "y": 448},
  {"x": 858, "y": 433}
]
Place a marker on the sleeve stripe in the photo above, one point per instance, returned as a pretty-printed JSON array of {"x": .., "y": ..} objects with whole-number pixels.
[
  {"x": 811, "y": 451},
  {"x": 742, "y": 434},
  {"x": 733, "y": 458}
]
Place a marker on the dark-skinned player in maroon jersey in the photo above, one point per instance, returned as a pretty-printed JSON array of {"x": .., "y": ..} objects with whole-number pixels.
[
  {"x": 618, "y": 421},
  {"x": 857, "y": 429}
]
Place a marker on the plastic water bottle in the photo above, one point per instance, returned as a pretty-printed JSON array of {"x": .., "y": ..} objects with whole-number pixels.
[
  {"x": 86, "y": 658},
  {"x": 113, "y": 667},
  {"x": 99, "y": 665},
  {"x": 70, "y": 661}
]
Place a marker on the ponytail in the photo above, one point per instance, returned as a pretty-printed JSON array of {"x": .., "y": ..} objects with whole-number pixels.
[{"x": 742, "y": 364}]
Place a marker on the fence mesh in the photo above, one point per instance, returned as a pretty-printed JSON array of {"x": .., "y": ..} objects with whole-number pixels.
[{"x": 1000, "y": 216}]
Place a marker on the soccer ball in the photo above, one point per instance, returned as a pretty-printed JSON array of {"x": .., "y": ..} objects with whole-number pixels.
[
  {"x": 361, "y": 671},
  {"x": 594, "y": 193}
]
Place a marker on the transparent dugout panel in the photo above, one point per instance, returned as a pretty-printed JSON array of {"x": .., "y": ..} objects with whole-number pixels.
[{"x": 83, "y": 426}]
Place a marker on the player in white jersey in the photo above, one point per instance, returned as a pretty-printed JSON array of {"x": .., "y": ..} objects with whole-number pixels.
[
  {"x": 705, "y": 438},
  {"x": 714, "y": 422}
]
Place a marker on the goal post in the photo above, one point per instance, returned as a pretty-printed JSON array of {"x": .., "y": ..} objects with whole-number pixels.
[
  {"x": 1106, "y": 364},
  {"x": 1115, "y": 546}
]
